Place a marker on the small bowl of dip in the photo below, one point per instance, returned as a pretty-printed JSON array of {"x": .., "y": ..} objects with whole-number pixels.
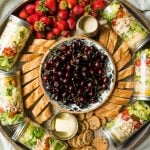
[
  {"x": 87, "y": 25},
  {"x": 64, "y": 125}
]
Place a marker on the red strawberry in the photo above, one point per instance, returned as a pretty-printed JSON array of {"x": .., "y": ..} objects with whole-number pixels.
[
  {"x": 39, "y": 35},
  {"x": 66, "y": 33},
  {"x": 63, "y": 5},
  {"x": 39, "y": 26},
  {"x": 51, "y": 4},
  {"x": 54, "y": 20},
  {"x": 50, "y": 35},
  {"x": 33, "y": 18},
  {"x": 71, "y": 22},
  {"x": 72, "y": 3},
  {"x": 46, "y": 20},
  {"x": 62, "y": 14},
  {"x": 62, "y": 25},
  {"x": 30, "y": 9},
  {"x": 56, "y": 31},
  {"x": 78, "y": 10},
  {"x": 98, "y": 4},
  {"x": 23, "y": 14},
  {"x": 40, "y": 8}
]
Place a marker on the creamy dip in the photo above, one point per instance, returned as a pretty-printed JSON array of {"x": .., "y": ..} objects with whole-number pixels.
[{"x": 89, "y": 24}]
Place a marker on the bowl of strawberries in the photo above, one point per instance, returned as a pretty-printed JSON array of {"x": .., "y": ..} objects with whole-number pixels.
[{"x": 50, "y": 19}]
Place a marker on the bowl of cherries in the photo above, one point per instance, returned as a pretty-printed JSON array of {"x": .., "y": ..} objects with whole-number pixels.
[{"x": 77, "y": 74}]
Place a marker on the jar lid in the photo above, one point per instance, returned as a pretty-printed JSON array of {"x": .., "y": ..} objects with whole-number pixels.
[
  {"x": 19, "y": 21},
  {"x": 20, "y": 129},
  {"x": 141, "y": 44}
]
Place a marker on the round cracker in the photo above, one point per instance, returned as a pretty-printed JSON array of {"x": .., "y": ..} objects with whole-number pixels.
[
  {"x": 81, "y": 117},
  {"x": 94, "y": 122},
  {"x": 88, "y": 137},
  {"x": 89, "y": 115},
  {"x": 103, "y": 120},
  {"x": 86, "y": 124},
  {"x": 100, "y": 143},
  {"x": 80, "y": 140},
  {"x": 82, "y": 127}
]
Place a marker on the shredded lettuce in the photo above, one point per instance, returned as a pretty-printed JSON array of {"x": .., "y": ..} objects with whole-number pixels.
[{"x": 140, "y": 109}]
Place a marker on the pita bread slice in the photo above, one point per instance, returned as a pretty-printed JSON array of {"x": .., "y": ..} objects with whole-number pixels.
[
  {"x": 104, "y": 35},
  {"x": 30, "y": 76},
  {"x": 101, "y": 112},
  {"x": 28, "y": 57},
  {"x": 43, "y": 42},
  {"x": 119, "y": 100},
  {"x": 30, "y": 87},
  {"x": 41, "y": 49},
  {"x": 31, "y": 65},
  {"x": 44, "y": 116},
  {"x": 122, "y": 93},
  {"x": 125, "y": 85},
  {"x": 109, "y": 106},
  {"x": 125, "y": 73},
  {"x": 120, "y": 51},
  {"x": 112, "y": 41},
  {"x": 43, "y": 102},
  {"x": 33, "y": 97},
  {"x": 39, "y": 41},
  {"x": 124, "y": 60}
]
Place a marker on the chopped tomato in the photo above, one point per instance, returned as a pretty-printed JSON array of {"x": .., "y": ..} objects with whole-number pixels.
[
  {"x": 114, "y": 22},
  {"x": 9, "y": 52},
  {"x": 1, "y": 110},
  {"x": 12, "y": 114},
  {"x": 148, "y": 61},
  {"x": 125, "y": 115},
  {"x": 137, "y": 125},
  {"x": 137, "y": 62}
]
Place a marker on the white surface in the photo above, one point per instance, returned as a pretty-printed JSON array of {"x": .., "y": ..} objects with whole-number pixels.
[{"x": 6, "y": 5}]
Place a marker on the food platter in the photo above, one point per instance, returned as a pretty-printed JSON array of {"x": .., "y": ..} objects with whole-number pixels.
[
  {"x": 110, "y": 72},
  {"x": 119, "y": 95}
]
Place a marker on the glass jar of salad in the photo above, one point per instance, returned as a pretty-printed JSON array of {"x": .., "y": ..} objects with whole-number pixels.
[
  {"x": 128, "y": 122},
  {"x": 11, "y": 105},
  {"x": 35, "y": 137},
  {"x": 126, "y": 25},
  {"x": 142, "y": 74},
  {"x": 12, "y": 41}
]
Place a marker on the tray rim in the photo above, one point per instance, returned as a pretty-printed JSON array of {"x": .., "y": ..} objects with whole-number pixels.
[{"x": 3, "y": 21}]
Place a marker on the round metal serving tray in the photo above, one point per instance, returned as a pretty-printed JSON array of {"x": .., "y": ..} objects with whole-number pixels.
[{"x": 9, "y": 130}]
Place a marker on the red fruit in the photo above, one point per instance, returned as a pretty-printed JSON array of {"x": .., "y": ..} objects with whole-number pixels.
[
  {"x": 39, "y": 35},
  {"x": 62, "y": 25},
  {"x": 50, "y": 35},
  {"x": 148, "y": 60},
  {"x": 137, "y": 62},
  {"x": 78, "y": 10},
  {"x": 23, "y": 14},
  {"x": 137, "y": 125},
  {"x": 55, "y": 20},
  {"x": 33, "y": 18},
  {"x": 30, "y": 9},
  {"x": 39, "y": 26},
  {"x": 56, "y": 31},
  {"x": 62, "y": 14},
  {"x": 98, "y": 4},
  {"x": 46, "y": 20},
  {"x": 71, "y": 22},
  {"x": 51, "y": 4},
  {"x": 63, "y": 5},
  {"x": 40, "y": 8},
  {"x": 125, "y": 115},
  {"x": 66, "y": 33},
  {"x": 72, "y": 3}
]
